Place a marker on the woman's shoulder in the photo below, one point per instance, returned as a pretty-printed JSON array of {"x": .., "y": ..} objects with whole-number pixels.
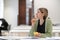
[{"x": 48, "y": 20}]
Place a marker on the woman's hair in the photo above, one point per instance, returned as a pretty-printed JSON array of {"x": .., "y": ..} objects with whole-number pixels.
[{"x": 45, "y": 11}]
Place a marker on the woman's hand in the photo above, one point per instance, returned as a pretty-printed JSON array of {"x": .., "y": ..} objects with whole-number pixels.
[
  {"x": 33, "y": 21},
  {"x": 36, "y": 34}
]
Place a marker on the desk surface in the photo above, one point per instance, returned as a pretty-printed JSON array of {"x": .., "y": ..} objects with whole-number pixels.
[
  {"x": 27, "y": 38},
  {"x": 19, "y": 38},
  {"x": 27, "y": 28}
]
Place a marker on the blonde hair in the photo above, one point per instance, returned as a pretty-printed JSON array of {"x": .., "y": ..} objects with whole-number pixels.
[{"x": 45, "y": 11}]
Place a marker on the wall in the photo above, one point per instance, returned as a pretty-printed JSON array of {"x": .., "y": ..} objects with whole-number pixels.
[
  {"x": 11, "y": 11},
  {"x": 28, "y": 5},
  {"x": 1, "y": 8},
  {"x": 53, "y": 7}
]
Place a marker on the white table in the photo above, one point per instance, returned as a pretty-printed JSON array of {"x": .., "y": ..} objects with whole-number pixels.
[
  {"x": 26, "y": 29},
  {"x": 28, "y": 38},
  {"x": 56, "y": 30},
  {"x": 20, "y": 38},
  {"x": 22, "y": 30}
]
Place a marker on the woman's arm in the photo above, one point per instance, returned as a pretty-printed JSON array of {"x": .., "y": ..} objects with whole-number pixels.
[
  {"x": 48, "y": 29},
  {"x": 33, "y": 29}
]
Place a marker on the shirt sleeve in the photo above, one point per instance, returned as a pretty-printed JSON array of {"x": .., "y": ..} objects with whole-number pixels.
[
  {"x": 33, "y": 29},
  {"x": 48, "y": 29}
]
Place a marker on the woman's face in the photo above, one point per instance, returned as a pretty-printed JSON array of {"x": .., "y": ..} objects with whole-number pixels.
[
  {"x": 36, "y": 16},
  {"x": 40, "y": 15}
]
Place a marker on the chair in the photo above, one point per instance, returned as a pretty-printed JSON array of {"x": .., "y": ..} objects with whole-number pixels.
[{"x": 4, "y": 26}]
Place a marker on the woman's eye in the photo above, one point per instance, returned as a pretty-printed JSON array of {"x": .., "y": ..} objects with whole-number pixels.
[{"x": 41, "y": 12}]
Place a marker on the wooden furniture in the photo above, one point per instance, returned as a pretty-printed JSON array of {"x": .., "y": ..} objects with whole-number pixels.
[{"x": 22, "y": 12}]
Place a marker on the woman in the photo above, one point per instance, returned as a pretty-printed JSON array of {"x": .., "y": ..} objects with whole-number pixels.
[{"x": 42, "y": 26}]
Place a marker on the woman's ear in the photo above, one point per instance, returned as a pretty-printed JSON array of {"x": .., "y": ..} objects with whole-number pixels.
[{"x": 43, "y": 14}]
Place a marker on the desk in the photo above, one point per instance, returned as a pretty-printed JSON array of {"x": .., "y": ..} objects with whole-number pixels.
[
  {"x": 27, "y": 38},
  {"x": 26, "y": 30},
  {"x": 56, "y": 30},
  {"x": 20, "y": 38},
  {"x": 23, "y": 30}
]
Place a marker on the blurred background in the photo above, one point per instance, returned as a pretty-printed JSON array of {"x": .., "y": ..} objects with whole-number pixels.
[{"x": 18, "y": 14}]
